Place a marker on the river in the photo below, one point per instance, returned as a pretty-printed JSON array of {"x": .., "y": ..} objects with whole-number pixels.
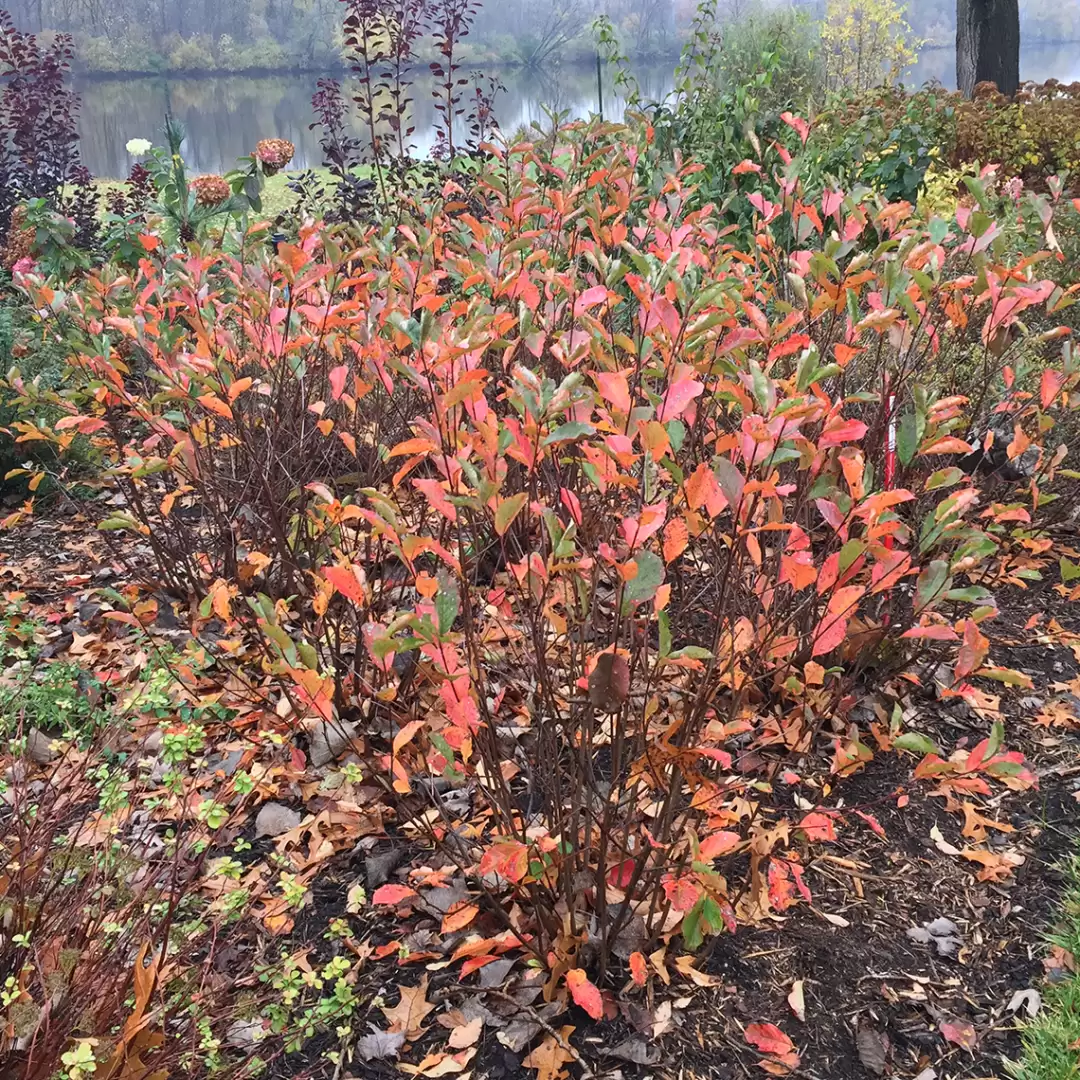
[{"x": 226, "y": 115}]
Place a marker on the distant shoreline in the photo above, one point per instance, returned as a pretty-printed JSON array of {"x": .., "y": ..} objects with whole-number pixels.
[{"x": 343, "y": 70}]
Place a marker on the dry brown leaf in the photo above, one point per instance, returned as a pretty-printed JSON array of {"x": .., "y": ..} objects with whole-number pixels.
[
  {"x": 659, "y": 965},
  {"x": 551, "y": 1055},
  {"x": 797, "y": 1000},
  {"x": 441, "y": 1064},
  {"x": 685, "y": 964},
  {"x": 466, "y": 1034},
  {"x": 609, "y": 682},
  {"x": 975, "y": 825},
  {"x": 995, "y": 867},
  {"x": 408, "y": 1014}
]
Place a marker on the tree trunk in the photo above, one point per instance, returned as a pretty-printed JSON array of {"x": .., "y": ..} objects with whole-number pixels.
[{"x": 988, "y": 44}]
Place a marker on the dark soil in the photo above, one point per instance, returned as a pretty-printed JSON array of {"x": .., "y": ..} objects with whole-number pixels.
[{"x": 875, "y": 1000}]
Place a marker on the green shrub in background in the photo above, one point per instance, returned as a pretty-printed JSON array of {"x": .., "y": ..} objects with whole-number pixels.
[
  {"x": 783, "y": 41},
  {"x": 1034, "y": 137},
  {"x": 39, "y": 362}
]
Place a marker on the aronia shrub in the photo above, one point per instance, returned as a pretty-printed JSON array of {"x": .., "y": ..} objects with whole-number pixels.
[{"x": 582, "y": 508}]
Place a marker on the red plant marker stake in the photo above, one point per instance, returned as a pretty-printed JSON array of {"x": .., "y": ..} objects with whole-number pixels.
[{"x": 890, "y": 466}]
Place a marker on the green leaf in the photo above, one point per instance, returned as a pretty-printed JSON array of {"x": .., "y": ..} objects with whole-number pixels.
[
  {"x": 643, "y": 586},
  {"x": 568, "y": 432},
  {"x": 692, "y": 652},
  {"x": 933, "y": 583},
  {"x": 1070, "y": 571},
  {"x": 944, "y": 478},
  {"x": 849, "y": 553},
  {"x": 119, "y": 521},
  {"x": 665, "y": 634},
  {"x": 447, "y": 602},
  {"x": 907, "y": 441},
  {"x": 676, "y": 433},
  {"x": 916, "y": 743},
  {"x": 507, "y": 510},
  {"x": 691, "y": 926},
  {"x": 730, "y": 480}
]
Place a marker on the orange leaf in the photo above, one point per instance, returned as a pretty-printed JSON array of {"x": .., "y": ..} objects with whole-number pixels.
[
  {"x": 458, "y": 917},
  {"x": 215, "y": 405},
  {"x": 637, "y": 968},
  {"x": 675, "y": 539}
]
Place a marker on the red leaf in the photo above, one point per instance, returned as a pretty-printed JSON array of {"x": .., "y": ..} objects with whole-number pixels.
[
  {"x": 769, "y": 1039},
  {"x": 348, "y": 580},
  {"x": 682, "y": 389},
  {"x": 637, "y": 968},
  {"x": 719, "y": 843},
  {"x": 614, "y": 389},
  {"x": 585, "y": 993},
  {"x": 683, "y": 893},
  {"x": 507, "y": 858},
  {"x": 676, "y": 538},
  {"x": 818, "y": 826},
  {"x": 392, "y": 894},
  {"x": 832, "y": 629},
  {"x": 703, "y": 489},
  {"x": 436, "y": 495},
  {"x": 839, "y": 431},
  {"x": 621, "y": 874},
  {"x": 961, "y": 1034},
  {"x": 1050, "y": 387},
  {"x": 337, "y": 381}
]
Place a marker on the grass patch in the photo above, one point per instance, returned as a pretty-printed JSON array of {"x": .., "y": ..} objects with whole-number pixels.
[
  {"x": 277, "y": 198},
  {"x": 1052, "y": 1040}
]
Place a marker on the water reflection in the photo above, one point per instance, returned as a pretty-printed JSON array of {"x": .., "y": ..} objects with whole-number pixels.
[
  {"x": 225, "y": 116},
  {"x": 1038, "y": 62}
]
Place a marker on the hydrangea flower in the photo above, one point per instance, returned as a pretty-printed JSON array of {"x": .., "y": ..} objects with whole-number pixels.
[
  {"x": 138, "y": 147},
  {"x": 274, "y": 154},
  {"x": 210, "y": 190}
]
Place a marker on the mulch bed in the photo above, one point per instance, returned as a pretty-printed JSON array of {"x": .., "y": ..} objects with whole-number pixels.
[{"x": 875, "y": 999}]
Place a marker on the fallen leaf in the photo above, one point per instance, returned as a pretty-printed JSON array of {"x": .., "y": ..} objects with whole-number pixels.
[
  {"x": 636, "y": 1051},
  {"x": 836, "y": 920},
  {"x": 975, "y": 825},
  {"x": 941, "y": 843},
  {"x": 440, "y": 1064},
  {"x": 408, "y": 1014},
  {"x": 585, "y": 993},
  {"x": 380, "y": 1044},
  {"x": 638, "y": 970},
  {"x": 962, "y": 1034},
  {"x": 662, "y": 1020},
  {"x": 769, "y": 1039},
  {"x": 1030, "y": 1000},
  {"x": 797, "y": 1000},
  {"x": 609, "y": 682},
  {"x": 873, "y": 1049},
  {"x": 995, "y": 867},
  {"x": 393, "y": 894},
  {"x": 551, "y": 1055},
  {"x": 458, "y": 917},
  {"x": 466, "y": 1034},
  {"x": 944, "y": 934},
  {"x": 685, "y": 965}
]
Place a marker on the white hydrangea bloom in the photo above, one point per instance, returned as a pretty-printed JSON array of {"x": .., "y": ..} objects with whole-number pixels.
[{"x": 138, "y": 147}]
